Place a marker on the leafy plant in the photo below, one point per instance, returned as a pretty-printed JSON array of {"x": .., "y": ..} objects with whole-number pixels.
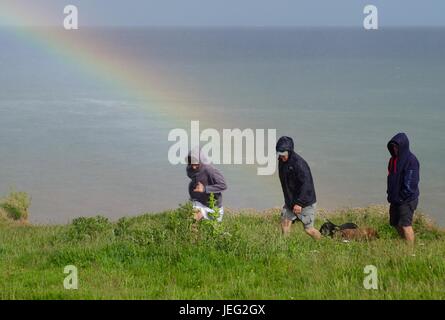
[
  {"x": 180, "y": 223},
  {"x": 215, "y": 232},
  {"x": 122, "y": 227},
  {"x": 89, "y": 227},
  {"x": 16, "y": 205}
]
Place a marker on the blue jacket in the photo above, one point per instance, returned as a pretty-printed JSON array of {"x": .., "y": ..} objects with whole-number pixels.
[
  {"x": 295, "y": 177},
  {"x": 403, "y": 172}
]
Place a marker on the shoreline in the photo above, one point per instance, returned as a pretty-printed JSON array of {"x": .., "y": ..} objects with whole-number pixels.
[{"x": 322, "y": 214}]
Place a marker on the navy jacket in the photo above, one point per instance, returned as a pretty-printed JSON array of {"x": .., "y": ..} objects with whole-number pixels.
[
  {"x": 403, "y": 172},
  {"x": 295, "y": 177}
]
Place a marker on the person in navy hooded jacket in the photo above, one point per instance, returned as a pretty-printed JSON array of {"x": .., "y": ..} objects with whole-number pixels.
[
  {"x": 403, "y": 186},
  {"x": 298, "y": 189}
]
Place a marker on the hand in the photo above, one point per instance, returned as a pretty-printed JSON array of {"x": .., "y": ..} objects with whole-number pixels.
[
  {"x": 297, "y": 209},
  {"x": 197, "y": 215},
  {"x": 199, "y": 187}
]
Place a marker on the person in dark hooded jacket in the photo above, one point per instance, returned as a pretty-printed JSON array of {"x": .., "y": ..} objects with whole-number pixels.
[
  {"x": 403, "y": 185},
  {"x": 298, "y": 188},
  {"x": 205, "y": 179}
]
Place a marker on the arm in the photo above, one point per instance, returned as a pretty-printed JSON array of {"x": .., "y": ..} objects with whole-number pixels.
[
  {"x": 219, "y": 184},
  {"x": 303, "y": 177},
  {"x": 410, "y": 179}
]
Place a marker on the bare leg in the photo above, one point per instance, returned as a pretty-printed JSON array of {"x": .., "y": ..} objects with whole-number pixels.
[
  {"x": 285, "y": 226},
  {"x": 314, "y": 233},
  {"x": 400, "y": 231},
  {"x": 408, "y": 234}
]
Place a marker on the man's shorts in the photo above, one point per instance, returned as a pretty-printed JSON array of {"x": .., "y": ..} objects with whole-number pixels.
[
  {"x": 206, "y": 210},
  {"x": 307, "y": 215},
  {"x": 402, "y": 215}
]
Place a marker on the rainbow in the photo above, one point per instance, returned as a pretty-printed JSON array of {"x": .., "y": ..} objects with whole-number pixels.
[{"x": 154, "y": 89}]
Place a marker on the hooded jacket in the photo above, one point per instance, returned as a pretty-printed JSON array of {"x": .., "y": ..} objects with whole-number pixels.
[
  {"x": 295, "y": 177},
  {"x": 403, "y": 172},
  {"x": 208, "y": 175}
]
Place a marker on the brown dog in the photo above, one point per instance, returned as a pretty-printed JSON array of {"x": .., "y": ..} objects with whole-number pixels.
[{"x": 360, "y": 234}]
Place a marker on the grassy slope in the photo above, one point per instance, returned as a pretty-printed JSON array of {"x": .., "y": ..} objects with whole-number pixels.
[{"x": 158, "y": 257}]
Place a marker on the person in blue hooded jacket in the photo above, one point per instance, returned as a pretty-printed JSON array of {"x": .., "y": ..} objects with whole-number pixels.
[
  {"x": 298, "y": 189},
  {"x": 403, "y": 185}
]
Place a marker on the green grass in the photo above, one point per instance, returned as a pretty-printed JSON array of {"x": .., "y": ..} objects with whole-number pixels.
[{"x": 160, "y": 257}]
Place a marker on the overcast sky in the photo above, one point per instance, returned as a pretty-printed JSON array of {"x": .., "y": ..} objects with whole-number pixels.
[{"x": 234, "y": 12}]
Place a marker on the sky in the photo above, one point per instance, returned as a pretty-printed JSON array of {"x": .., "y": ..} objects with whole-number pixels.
[{"x": 309, "y": 13}]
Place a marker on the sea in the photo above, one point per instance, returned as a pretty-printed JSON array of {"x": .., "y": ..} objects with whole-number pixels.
[{"x": 79, "y": 136}]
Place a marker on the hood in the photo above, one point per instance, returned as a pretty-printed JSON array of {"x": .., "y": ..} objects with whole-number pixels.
[
  {"x": 197, "y": 157},
  {"x": 285, "y": 144},
  {"x": 401, "y": 139}
]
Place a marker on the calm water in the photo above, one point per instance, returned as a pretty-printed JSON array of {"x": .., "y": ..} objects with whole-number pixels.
[{"x": 81, "y": 146}]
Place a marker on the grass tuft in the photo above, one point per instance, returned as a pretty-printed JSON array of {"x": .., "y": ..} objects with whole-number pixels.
[{"x": 15, "y": 206}]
